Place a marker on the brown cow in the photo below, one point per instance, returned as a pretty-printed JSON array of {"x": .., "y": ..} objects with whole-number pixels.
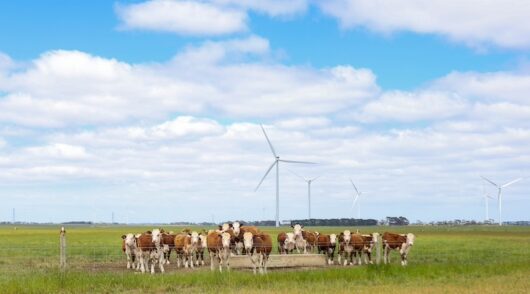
[
  {"x": 345, "y": 247},
  {"x": 401, "y": 242},
  {"x": 259, "y": 248},
  {"x": 311, "y": 240},
  {"x": 168, "y": 240},
  {"x": 201, "y": 247},
  {"x": 219, "y": 248},
  {"x": 326, "y": 245},
  {"x": 185, "y": 247},
  {"x": 148, "y": 251},
  {"x": 370, "y": 241},
  {"x": 357, "y": 243}
]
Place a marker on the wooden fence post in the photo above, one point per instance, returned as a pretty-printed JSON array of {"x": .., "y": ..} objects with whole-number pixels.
[{"x": 62, "y": 248}]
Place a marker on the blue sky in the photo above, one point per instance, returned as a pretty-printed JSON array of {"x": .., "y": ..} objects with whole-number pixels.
[{"x": 106, "y": 104}]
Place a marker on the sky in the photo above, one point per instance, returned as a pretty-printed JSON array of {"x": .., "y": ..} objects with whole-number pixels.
[{"x": 151, "y": 110}]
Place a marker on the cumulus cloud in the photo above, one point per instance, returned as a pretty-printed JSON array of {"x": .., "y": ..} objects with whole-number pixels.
[
  {"x": 75, "y": 88},
  {"x": 475, "y": 23},
  {"x": 182, "y": 17},
  {"x": 269, "y": 7}
]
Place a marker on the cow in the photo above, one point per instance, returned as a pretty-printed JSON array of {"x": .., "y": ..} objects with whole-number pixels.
[
  {"x": 286, "y": 243},
  {"x": 258, "y": 248},
  {"x": 345, "y": 247},
  {"x": 300, "y": 242},
  {"x": 370, "y": 241},
  {"x": 326, "y": 245},
  {"x": 168, "y": 239},
  {"x": 401, "y": 242},
  {"x": 129, "y": 247},
  {"x": 357, "y": 244},
  {"x": 218, "y": 245},
  {"x": 148, "y": 252},
  {"x": 311, "y": 240},
  {"x": 158, "y": 254},
  {"x": 201, "y": 246},
  {"x": 185, "y": 248},
  {"x": 225, "y": 227}
]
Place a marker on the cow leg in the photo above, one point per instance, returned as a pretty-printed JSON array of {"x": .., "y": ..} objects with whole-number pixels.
[
  {"x": 161, "y": 261},
  {"x": 211, "y": 261}
]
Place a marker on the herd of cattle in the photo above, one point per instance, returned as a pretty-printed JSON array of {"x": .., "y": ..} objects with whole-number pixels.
[{"x": 154, "y": 247}]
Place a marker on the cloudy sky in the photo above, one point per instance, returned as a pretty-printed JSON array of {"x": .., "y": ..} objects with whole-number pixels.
[{"x": 151, "y": 109}]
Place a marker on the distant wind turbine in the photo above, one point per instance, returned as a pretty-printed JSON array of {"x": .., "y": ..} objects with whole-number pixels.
[
  {"x": 486, "y": 197},
  {"x": 276, "y": 163},
  {"x": 356, "y": 199},
  {"x": 499, "y": 193},
  {"x": 309, "y": 181}
]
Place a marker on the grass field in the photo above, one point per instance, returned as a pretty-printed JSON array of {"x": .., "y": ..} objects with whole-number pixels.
[{"x": 482, "y": 259}]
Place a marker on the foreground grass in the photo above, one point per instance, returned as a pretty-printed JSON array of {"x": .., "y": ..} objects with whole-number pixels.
[{"x": 443, "y": 260}]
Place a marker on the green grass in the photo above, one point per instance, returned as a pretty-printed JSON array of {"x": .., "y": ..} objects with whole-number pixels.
[{"x": 444, "y": 259}]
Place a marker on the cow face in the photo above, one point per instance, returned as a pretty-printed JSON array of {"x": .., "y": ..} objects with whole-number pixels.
[
  {"x": 157, "y": 236},
  {"x": 194, "y": 238},
  {"x": 225, "y": 227},
  {"x": 248, "y": 241},
  {"x": 225, "y": 239},
  {"x": 236, "y": 226},
  {"x": 290, "y": 238},
  {"x": 333, "y": 239},
  {"x": 130, "y": 240},
  {"x": 410, "y": 239},
  {"x": 297, "y": 229},
  {"x": 202, "y": 240},
  {"x": 347, "y": 236}
]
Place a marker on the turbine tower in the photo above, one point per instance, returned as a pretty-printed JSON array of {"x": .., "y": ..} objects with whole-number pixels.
[
  {"x": 308, "y": 181},
  {"x": 356, "y": 199},
  {"x": 276, "y": 163},
  {"x": 499, "y": 193}
]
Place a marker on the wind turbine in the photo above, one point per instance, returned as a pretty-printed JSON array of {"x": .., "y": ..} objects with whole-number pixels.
[
  {"x": 499, "y": 193},
  {"x": 487, "y": 197},
  {"x": 309, "y": 181},
  {"x": 276, "y": 163},
  {"x": 356, "y": 199}
]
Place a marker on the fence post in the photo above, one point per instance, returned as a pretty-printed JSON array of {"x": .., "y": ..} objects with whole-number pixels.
[
  {"x": 378, "y": 245},
  {"x": 62, "y": 248}
]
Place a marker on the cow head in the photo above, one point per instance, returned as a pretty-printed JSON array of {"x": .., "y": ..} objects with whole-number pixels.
[
  {"x": 248, "y": 241},
  {"x": 236, "y": 226},
  {"x": 297, "y": 230},
  {"x": 225, "y": 227},
  {"x": 225, "y": 239},
  {"x": 347, "y": 236},
  {"x": 333, "y": 239},
  {"x": 202, "y": 239},
  {"x": 194, "y": 238},
  {"x": 157, "y": 236},
  {"x": 123, "y": 237},
  {"x": 130, "y": 240},
  {"x": 410, "y": 239}
]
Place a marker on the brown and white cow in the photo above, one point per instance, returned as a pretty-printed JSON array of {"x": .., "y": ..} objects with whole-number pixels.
[
  {"x": 370, "y": 241},
  {"x": 201, "y": 247},
  {"x": 311, "y": 240},
  {"x": 286, "y": 243},
  {"x": 148, "y": 251},
  {"x": 345, "y": 248},
  {"x": 185, "y": 248},
  {"x": 218, "y": 245},
  {"x": 168, "y": 240},
  {"x": 401, "y": 242},
  {"x": 357, "y": 243},
  {"x": 129, "y": 247},
  {"x": 300, "y": 242},
  {"x": 258, "y": 248},
  {"x": 327, "y": 245}
]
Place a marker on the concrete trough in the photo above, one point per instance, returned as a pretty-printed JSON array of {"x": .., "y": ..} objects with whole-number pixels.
[{"x": 283, "y": 260}]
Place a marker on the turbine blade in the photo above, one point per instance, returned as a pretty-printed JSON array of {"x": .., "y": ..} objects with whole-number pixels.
[
  {"x": 296, "y": 174},
  {"x": 269, "y": 141},
  {"x": 512, "y": 182},
  {"x": 489, "y": 181},
  {"x": 262, "y": 179},
  {"x": 293, "y": 161},
  {"x": 315, "y": 178},
  {"x": 357, "y": 191}
]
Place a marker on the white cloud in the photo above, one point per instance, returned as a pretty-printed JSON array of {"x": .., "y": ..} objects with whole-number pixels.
[
  {"x": 413, "y": 106},
  {"x": 473, "y": 22},
  {"x": 74, "y": 88},
  {"x": 59, "y": 150},
  {"x": 270, "y": 7},
  {"x": 304, "y": 123},
  {"x": 183, "y": 17}
]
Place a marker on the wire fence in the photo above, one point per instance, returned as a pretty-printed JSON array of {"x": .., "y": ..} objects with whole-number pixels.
[{"x": 99, "y": 258}]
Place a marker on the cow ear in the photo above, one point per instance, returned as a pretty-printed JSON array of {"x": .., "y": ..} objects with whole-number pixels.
[
  {"x": 149, "y": 232},
  {"x": 292, "y": 226},
  {"x": 123, "y": 237}
]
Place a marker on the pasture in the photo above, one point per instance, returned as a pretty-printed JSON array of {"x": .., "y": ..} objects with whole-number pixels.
[{"x": 479, "y": 259}]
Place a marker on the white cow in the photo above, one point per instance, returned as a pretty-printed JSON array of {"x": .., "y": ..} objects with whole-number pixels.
[
  {"x": 300, "y": 242},
  {"x": 130, "y": 248}
]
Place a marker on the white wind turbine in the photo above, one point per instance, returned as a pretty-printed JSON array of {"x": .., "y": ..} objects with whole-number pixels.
[
  {"x": 499, "y": 194},
  {"x": 356, "y": 199},
  {"x": 487, "y": 198},
  {"x": 309, "y": 181},
  {"x": 276, "y": 163}
]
